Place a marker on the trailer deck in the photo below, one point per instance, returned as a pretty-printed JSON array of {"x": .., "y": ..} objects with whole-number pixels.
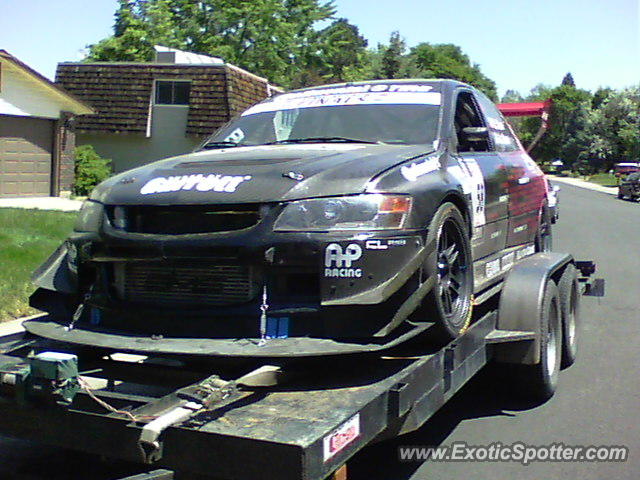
[{"x": 305, "y": 427}]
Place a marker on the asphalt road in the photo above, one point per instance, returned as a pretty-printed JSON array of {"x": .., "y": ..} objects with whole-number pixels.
[
  {"x": 597, "y": 403},
  {"x": 598, "y": 400}
]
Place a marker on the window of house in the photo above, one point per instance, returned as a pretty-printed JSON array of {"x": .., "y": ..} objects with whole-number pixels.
[{"x": 170, "y": 92}]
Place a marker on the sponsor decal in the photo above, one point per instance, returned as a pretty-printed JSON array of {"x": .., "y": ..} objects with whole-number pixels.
[
  {"x": 508, "y": 261},
  {"x": 503, "y": 198},
  {"x": 470, "y": 176},
  {"x": 384, "y": 244},
  {"x": 521, "y": 228},
  {"x": 236, "y": 136},
  {"x": 199, "y": 182},
  {"x": 375, "y": 245},
  {"x": 492, "y": 268},
  {"x": 338, "y": 262},
  {"x": 525, "y": 252},
  {"x": 495, "y": 234},
  {"x": 502, "y": 139},
  {"x": 368, "y": 94},
  {"x": 340, "y": 438},
  {"x": 496, "y": 124},
  {"x": 416, "y": 170}
]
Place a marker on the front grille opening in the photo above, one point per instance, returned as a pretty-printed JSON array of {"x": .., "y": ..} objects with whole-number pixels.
[
  {"x": 185, "y": 283},
  {"x": 296, "y": 285},
  {"x": 183, "y": 219}
]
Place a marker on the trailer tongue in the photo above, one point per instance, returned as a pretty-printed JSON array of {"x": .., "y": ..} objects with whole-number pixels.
[{"x": 300, "y": 419}]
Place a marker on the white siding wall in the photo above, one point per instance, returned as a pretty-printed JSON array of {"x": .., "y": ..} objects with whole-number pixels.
[{"x": 22, "y": 96}]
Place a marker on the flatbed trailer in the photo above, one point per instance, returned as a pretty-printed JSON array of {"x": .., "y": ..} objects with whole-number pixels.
[{"x": 313, "y": 418}]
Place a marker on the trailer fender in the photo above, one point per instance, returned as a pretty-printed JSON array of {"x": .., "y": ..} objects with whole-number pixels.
[{"x": 521, "y": 304}]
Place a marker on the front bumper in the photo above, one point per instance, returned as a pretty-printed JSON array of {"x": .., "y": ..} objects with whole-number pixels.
[{"x": 318, "y": 285}]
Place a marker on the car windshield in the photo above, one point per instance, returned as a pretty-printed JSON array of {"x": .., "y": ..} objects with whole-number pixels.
[{"x": 314, "y": 116}]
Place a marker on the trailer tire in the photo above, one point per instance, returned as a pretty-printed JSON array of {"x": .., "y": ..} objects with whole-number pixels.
[
  {"x": 569, "y": 290},
  {"x": 450, "y": 301},
  {"x": 539, "y": 381}
]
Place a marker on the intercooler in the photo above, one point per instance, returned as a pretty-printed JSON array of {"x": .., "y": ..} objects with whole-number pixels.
[{"x": 190, "y": 283}]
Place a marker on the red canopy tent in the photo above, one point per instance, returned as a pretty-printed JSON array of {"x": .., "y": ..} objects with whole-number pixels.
[{"x": 532, "y": 109}]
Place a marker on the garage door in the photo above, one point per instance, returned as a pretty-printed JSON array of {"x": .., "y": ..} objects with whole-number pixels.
[{"x": 25, "y": 156}]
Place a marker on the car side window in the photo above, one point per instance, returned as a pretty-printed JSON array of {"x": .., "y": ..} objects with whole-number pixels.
[
  {"x": 468, "y": 115},
  {"x": 500, "y": 133}
]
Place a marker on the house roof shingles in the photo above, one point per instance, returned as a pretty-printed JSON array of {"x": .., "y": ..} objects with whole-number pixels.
[{"x": 121, "y": 93}]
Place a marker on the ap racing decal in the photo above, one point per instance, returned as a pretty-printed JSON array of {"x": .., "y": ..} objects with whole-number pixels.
[
  {"x": 368, "y": 94},
  {"x": 468, "y": 173},
  {"x": 199, "y": 182},
  {"x": 339, "y": 262}
]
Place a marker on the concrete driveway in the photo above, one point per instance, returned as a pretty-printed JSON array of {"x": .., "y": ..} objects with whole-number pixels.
[{"x": 42, "y": 203}]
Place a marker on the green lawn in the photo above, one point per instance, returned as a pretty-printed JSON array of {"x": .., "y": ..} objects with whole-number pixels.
[
  {"x": 27, "y": 238},
  {"x": 604, "y": 179}
]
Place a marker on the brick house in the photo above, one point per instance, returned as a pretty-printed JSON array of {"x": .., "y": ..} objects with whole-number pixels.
[
  {"x": 149, "y": 111},
  {"x": 36, "y": 132}
]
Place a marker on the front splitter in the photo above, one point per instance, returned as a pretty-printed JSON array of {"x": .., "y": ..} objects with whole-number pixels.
[{"x": 208, "y": 347}]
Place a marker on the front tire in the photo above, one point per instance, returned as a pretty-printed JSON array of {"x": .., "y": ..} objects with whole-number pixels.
[{"x": 450, "y": 264}]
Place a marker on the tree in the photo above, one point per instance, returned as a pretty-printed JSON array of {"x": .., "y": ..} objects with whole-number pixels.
[
  {"x": 273, "y": 38},
  {"x": 341, "y": 47},
  {"x": 448, "y": 61},
  {"x": 511, "y": 96},
  {"x": 568, "y": 136},
  {"x": 616, "y": 126},
  {"x": 392, "y": 56},
  {"x": 600, "y": 96},
  {"x": 568, "y": 80}
]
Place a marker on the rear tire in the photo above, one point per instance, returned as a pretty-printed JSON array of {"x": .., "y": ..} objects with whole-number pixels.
[
  {"x": 539, "y": 382},
  {"x": 569, "y": 290},
  {"x": 450, "y": 301}
]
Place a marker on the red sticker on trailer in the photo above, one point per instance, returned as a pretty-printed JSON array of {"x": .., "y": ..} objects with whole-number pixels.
[{"x": 340, "y": 438}]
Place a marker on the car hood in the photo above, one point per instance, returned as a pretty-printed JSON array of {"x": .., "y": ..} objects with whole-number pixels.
[{"x": 268, "y": 173}]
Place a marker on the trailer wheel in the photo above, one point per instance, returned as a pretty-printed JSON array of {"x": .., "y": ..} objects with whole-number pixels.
[
  {"x": 569, "y": 290},
  {"x": 539, "y": 381},
  {"x": 620, "y": 195},
  {"x": 450, "y": 264}
]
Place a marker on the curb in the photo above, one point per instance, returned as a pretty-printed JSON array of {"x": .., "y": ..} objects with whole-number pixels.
[{"x": 584, "y": 184}]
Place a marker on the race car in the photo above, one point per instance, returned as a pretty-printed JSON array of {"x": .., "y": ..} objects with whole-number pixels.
[{"x": 338, "y": 219}]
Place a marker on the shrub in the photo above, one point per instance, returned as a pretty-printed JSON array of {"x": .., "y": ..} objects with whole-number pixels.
[{"x": 90, "y": 170}]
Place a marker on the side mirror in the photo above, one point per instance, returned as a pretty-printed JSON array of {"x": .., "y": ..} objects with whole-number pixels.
[{"x": 475, "y": 134}]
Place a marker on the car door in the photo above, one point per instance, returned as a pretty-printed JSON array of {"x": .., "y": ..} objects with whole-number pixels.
[
  {"x": 487, "y": 186},
  {"x": 526, "y": 187}
]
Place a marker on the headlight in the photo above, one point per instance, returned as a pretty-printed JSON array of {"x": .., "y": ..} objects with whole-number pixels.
[
  {"x": 90, "y": 217},
  {"x": 359, "y": 212}
]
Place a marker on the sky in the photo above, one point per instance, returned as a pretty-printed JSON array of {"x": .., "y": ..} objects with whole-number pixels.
[{"x": 517, "y": 43}]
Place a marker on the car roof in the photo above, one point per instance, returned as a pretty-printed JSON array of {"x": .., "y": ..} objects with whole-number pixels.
[{"x": 441, "y": 85}]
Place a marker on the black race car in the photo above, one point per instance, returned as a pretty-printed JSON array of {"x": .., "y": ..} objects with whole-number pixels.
[
  {"x": 338, "y": 219},
  {"x": 630, "y": 187}
]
